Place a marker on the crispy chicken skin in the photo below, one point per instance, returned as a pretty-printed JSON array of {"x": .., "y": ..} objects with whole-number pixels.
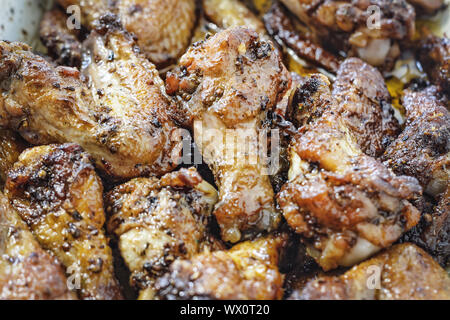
[
  {"x": 402, "y": 272},
  {"x": 58, "y": 194},
  {"x": 27, "y": 272},
  {"x": 280, "y": 26},
  {"x": 232, "y": 13},
  {"x": 364, "y": 104},
  {"x": 120, "y": 119},
  {"x": 158, "y": 221},
  {"x": 422, "y": 149},
  {"x": 434, "y": 55},
  {"x": 63, "y": 44},
  {"x": 247, "y": 271},
  {"x": 163, "y": 27},
  {"x": 347, "y": 204},
  {"x": 11, "y": 146},
  {"x": 224, "y": 88},
  {"x": 345, "y": 25}
]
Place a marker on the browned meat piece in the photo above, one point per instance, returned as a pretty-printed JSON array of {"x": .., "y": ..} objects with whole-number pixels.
[
  {"x": 158, "y": 221},
  {"x": 224, "y": 88},
  {"x": 120, "y": 119},
  {"x": 27, "y": 272},
  {"x": 231, "y": 14},
  {"x": 247, "y": 271},
  {"x": 280, "y": 26},
  {"x": 62, "y": 44},
  {"x": 402, "y": 272},
  {"x": 11, "y": 146},
  {"x": 422, "y": 150},
  {"x": 434, "y": 55},
  {"x": 350, "y": 26},
  {"x": 346, "y": 203},
  {"x": 58, "y": 194},
  {"x": 364, "y": 103},
  {"x": 427, "y": 6},
  {"x": 163, "y": 27}
]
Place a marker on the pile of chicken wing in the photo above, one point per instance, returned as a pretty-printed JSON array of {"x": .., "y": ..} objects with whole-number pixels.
[{"x": 118, "y": 179}]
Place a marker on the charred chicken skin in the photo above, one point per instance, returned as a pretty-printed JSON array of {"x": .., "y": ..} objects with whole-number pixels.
[
  {"x": 370, "y": 30},
  {"x": 27, "y": 272},
  {"x": 152, "y": 21},
  {"x": 224, "y": 88},
  {"x": 157, "y": 221},
  {"x": 248, "y": 271},
  {"x": 56, "y": 191},
  {"x": 120, "y": 118},
  {"x": 348, "y": 205}
]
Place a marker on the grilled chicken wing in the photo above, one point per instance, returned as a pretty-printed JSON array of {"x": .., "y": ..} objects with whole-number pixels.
[
  {"x": 247, "y": 271},
  {"x": 27, "y": 272},
  {"x": 120, "y": 119},
  {"x": 434, "y": 55},
  {"x": 11, "y": 146},
  {"x": 423, "y": 151},
  {"x": 158, "y": 221},
  {"x": 225, "y": 87},
  {"x": 423, "y": 148},
  {"x": 352, "y": 26},
  {"x": 58, "y": 194},
  {"x": 363, "y": 101},
  {"x": 63, "y": 44},
  {"x": 163, "y": 27},
  {"x": 231, "y": 14},
  {"x": 348, "y": 204},
  {"x": 402, "y": 272}
]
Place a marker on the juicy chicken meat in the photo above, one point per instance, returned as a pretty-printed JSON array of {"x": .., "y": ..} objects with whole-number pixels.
[
  {"x": 280, "y": 26},
  {"x": 434, "y": 55},
  {"x": 27, "y": 272},
  {"x": 57, "y": 193},
  {"x": 159, "y": 221},
  {"x": 63, "y": 44},
  {"x": 120, "y": 118},
  {"x": 402, "y": 272},
  {"x": 423, "y": 148},
  {"x": 347, "y": 204},
  {"x": 351, "y": 26},
  {"x": 224, "y": 88},
  {"x": 11, "y": 146},
  {"x": 363, "y": 101},
  {"x": 247, "y": 271},
  {"x": 163, "y": 27}
]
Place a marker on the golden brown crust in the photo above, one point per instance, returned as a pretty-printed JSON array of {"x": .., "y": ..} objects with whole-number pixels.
[
  {"x": 225, "y": 86},
  {"x": 159, "y": 221},
  {"x": 58, "y": 194},
  {"x": 27, "y": 272},
  {"x": 404, "y": 272},
  {"x": 163, "y": 27},
  {"x": 53, "y": 105},
  {"x": 247, "y": 271}
]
